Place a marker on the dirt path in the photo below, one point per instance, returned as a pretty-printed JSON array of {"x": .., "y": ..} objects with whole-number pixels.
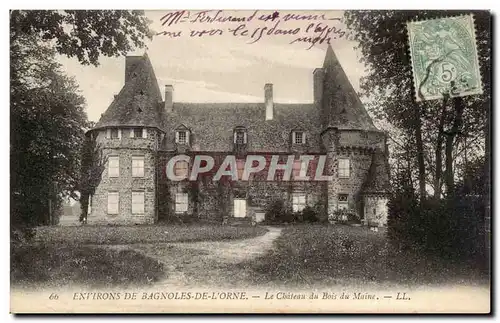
[{"x": 207, "y": 263}]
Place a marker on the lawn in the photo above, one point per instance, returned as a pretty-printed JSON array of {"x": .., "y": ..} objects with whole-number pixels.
[
  {"x": 90, "y": 234},
  {"x": 98, "y": 256},
  {"x": 312, "y": 255},
  {"x": 52, "y": 265}
]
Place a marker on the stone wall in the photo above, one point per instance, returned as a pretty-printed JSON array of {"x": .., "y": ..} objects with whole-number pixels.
[{"x": 125, "y": 184}]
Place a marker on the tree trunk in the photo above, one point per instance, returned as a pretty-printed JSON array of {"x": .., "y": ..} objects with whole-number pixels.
[
  {"x": 420, "y": 152},
  {"x": 439, "y": 151},
  {"x": 458, "y": 107}
]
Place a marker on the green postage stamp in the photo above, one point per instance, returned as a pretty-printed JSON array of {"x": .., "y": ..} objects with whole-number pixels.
[{"x": 444, "y": 57}]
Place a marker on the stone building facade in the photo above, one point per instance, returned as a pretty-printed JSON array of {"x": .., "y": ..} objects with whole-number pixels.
[{"x": 141, "y": 132}]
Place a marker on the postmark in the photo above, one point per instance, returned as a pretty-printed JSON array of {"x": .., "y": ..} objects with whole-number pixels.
[{"x": 444, "y": 57}]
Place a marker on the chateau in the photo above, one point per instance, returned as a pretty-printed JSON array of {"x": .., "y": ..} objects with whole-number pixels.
[{"x": 140, "y": 132}]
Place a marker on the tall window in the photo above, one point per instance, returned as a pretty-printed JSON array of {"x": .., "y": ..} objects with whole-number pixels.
[
  {"x": 298, "y": 202},
  {"x": 342, "y": 202},
  {"x": 299, "y": 137},
  {"x": 182, "y": 137},
  {"x": 344, "y": 168},
  {"x": 138, "y": 202},
  {"x": 113, "y": 166},
  {"x": 181, "y": 168},
  {"x": 181, "y": 202},
  {"x": 240, "y": 208},
  {"x": 137, "y": 166},
  {"x": 113, "y": 202},
  {"x": 299, "y": 168}
]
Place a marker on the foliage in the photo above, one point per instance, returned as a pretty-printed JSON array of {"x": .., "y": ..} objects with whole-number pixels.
[
  {"x": 47, "y": 121},
  {"x": 449, "y": 228},
  {"x": 84, "y": 34},
  {"x": 384, "y": 46},
  {"x": 92, "y": 166},
  {"x": 345, "y": 216},
  {"x": 276, "y": 213}
]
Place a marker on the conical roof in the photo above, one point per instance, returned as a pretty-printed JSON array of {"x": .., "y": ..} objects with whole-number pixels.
[
  {"x": 377, "y": 181},
  {"x": 342, "y": 105},
  {"x": 137, "y": 104}
]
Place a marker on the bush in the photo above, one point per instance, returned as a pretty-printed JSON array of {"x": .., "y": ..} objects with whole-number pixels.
[
  {"x": 277, "y": 213},
  {"x": 310, "y": 215},
  {"x": 450, "y": 228}
]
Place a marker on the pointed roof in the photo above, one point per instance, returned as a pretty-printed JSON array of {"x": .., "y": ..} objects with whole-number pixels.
[
  {"x": 377, "y": 180},
  {"x": 137, "y": 104},
  {"x": 345, "y": 109}
]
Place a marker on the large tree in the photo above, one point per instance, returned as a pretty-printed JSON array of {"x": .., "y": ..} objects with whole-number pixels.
[
  {"x": 453, "y": 128},
  {"x": 48, "y": 119}
]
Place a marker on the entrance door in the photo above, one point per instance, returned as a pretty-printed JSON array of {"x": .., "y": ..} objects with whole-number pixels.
[{"x": 240, "y": 208}]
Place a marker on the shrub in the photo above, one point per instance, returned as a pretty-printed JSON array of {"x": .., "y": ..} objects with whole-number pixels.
[
  {"x": 309, "y": 214},
  {"x": 450, "y": 228}
]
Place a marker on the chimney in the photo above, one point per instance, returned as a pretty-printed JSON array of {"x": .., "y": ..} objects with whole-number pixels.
[
  {"x": 318, "y": 80},
  {"x": 169, "y": 98},
  {"x": 268, "y": 94}
]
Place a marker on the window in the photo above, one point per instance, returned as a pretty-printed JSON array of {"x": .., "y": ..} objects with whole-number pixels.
[
  {"x": 113, "y": 166},
  {"x": 240, "y": 208},
  {"x": 182, "y": 137},
  {"x": 137, "y": 166},
  {"x": 344, "y": 168},
  {"x": 113, "y": 202},
  {"x": 342, "y": 202},
  {"x": 137, "y": 132},
  {"x": 299, "y": 168},
  {"x": 138, "y": 202},
  {"x": 240, "y": 136},
  {"x": 115, "y": 133},
  {"x": 240, "y": 166},
  {"x": 181, "y": 168},
  {"x": 181, "y": 202},
  {"x": 299, "y": 137},
  {"x": 298, "y": 202}
]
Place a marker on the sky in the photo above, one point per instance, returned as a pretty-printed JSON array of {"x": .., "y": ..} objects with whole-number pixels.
[{"x": 229, "y": 65}]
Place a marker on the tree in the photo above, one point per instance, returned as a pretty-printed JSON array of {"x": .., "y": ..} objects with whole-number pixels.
[
  {"x": 48, "y": 120},
  {"x": 84, "y": 34},
  {"x": 384, "y": 44}
]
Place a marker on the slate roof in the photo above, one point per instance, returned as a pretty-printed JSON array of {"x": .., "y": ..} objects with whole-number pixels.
[
  {"x": 377, "y": 180},
  {"x": 346, "y": 111},
  {"x": 137, "y": 104},
  {"x": 212, "y": 125}
]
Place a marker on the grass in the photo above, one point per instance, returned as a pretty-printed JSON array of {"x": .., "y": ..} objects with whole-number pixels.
[
  {"x": 143, "y": 233},
  {"x": 308, "y": 255},
  {"x": 51, "y": 265}
]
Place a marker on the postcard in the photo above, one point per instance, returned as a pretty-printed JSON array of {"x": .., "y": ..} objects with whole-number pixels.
[{"x": 218, "y": 161}]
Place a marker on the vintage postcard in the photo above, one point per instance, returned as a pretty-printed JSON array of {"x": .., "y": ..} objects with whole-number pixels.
[{"x": 217, "y": 161}]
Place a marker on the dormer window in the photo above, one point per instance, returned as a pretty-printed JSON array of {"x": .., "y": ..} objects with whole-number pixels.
[
  {"x": 298, "y": 137},
  {"x": 182, "y": 137},
  {"x": 240, "y": 136}
]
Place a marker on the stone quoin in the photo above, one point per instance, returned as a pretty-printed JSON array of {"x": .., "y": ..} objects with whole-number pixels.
[{"x": 141, "y": 132}]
